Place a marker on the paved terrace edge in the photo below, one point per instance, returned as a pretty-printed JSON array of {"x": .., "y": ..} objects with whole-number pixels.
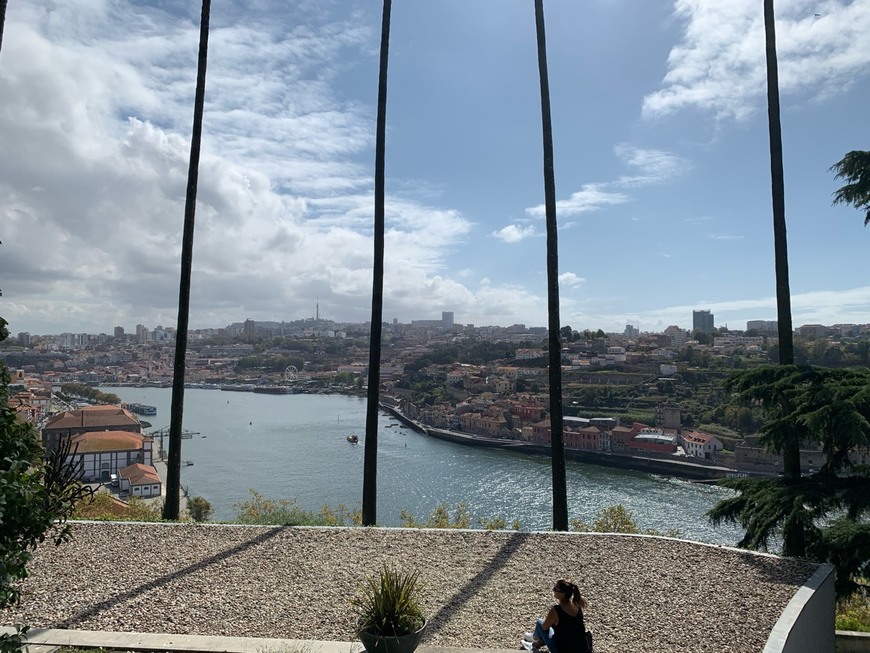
[{"x": 46, "y": 638}]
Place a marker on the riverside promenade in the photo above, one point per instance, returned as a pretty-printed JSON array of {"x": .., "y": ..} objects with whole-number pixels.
[
  {"x": 160, "y": 466},
  {"x": 689, "y": 468}
]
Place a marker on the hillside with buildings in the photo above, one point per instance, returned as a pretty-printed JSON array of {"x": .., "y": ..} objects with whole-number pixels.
[{"x": 647, "y": 394}]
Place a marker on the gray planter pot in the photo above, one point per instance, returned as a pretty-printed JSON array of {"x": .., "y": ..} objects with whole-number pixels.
[{"x": 383, "y": 644}]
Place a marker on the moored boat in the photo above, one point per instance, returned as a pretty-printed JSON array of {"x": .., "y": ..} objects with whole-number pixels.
[
  {"x": 353, "y": 439},
  {"x": 140, "y": 409},
  {"x": 273, "y": 389}
]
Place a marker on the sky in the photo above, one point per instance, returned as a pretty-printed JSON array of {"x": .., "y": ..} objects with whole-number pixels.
[{"x": 662, "y": 168}]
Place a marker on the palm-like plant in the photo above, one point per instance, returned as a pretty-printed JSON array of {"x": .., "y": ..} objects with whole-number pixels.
[
  {"x": 370, "y": 458},
  {"x": 557, "y": 446},
  {"x": 855, "y": 169},
  {"x": 388, "y": 604},
  {"x": 2, "y": 20},
  {"x": 793, "y": 532},
  {"x": 173, "y": 465}
]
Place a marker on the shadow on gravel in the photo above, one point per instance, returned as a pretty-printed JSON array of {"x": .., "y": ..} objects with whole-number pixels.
[
  {"x": 467, "y": 591},
  {"x": 135, "y": 592}
]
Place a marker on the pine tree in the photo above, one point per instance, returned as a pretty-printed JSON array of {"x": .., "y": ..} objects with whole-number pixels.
[{"x": 809, "y": 405}]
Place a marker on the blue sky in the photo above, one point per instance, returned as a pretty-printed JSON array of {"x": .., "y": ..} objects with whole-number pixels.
[{"x": 660, "y": 132}]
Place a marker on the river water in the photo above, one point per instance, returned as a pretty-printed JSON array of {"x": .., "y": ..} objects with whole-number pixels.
[{"x": 295, "y": 447}]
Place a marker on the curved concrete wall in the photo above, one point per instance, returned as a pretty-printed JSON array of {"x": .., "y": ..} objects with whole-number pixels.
[{"x": 807, "y": 623}]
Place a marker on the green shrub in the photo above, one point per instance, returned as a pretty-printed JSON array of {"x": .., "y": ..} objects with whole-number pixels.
[
  {"x": 105, "y": 507},
  {"x": 616, "y": 519},
  {"x": 199, "y": 508},
  {"x": 285, "y": 512},
  {"x": 440, "y": 518},
  {"x": 38, "y": 492},
  {"x": 853, "y": 613},
  {"x": 340, "y": 516}
]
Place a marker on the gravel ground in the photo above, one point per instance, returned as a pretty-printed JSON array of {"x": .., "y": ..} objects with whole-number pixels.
[{"x": 481, "y": 589}]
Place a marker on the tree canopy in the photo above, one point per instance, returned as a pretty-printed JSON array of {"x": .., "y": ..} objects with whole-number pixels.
[
  {"x": 805, "y": 405},
  {"x": 854, "y": 168},
  {"x": 37, "y": 494}
]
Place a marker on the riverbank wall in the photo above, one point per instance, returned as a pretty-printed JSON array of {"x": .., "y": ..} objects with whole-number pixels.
[{"x": 684, "y": 468}]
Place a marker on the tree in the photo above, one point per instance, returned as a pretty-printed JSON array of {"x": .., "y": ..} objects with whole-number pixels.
[
  {"x": 855, "y": 169},
  {"x": 557, "y": 446},
  {"x": 37, "y": 495},
  {"x": 702, "y": 337},
  {"x": 793, "y": 535},
  {"x": 200, "y": 508},
  {"x": 370, "y": 455},
  {"x": 831, "y": 506},
  {"x": 176, "y": 410}
]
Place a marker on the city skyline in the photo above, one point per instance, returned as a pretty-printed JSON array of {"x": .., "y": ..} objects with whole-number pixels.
[
  {"x": 765, "y": 327},
  {"x": 660, "y": 135}
]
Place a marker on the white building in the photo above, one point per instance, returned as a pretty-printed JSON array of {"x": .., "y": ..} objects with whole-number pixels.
[
  {"x": 530, "y": 354},
  {"x": 700, "y": 445},
  {"x": 678, "y": 336},
  {"x": 140, "y": 481},
  {"x": 732, "y": 342},
  {"x": 103, "y": 453}
]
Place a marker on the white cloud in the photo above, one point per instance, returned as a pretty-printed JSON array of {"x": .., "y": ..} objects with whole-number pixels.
[
  {"x": 570, "y": 280},
  {"x": 850, "y": 306},
  {"x": 591, "y": 197},
  {"x": 514, "y": 233},
  {"x": 724, "y": 237},
  {"x": 719, "y": 64},
  {"x": 655, "y": 166},
  {"x": 99, "y": 117}
]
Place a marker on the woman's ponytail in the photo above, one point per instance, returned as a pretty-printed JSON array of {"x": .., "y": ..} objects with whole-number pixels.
[{"x": 572, "y": 592}]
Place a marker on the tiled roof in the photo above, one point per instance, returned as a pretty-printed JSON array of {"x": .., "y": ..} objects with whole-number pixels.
[
  {"x": 92, "y": 441},
  {"x": 697, "y": 436},
  {"x": 92, "y": 416},
  {"x": 139, "y": 474}
]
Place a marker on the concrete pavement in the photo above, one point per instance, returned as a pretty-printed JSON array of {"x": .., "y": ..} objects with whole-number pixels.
[
  {"x": 160, "y": 466},
  {"x": 43, "y": 640}
]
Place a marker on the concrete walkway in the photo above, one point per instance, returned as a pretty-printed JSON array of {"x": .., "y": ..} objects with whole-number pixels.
[
  {"x": 43, "y": 640},
  {"x": 160, "y": 465}
]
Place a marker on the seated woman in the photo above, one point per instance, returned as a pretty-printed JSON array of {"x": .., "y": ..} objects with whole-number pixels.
[{"x": 566, "y": 621}]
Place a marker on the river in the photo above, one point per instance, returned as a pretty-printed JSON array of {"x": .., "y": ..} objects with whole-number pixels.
[{"x": 295, "y": 447}]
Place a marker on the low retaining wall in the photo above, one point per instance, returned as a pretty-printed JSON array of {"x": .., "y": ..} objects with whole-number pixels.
[
  {"x": 849, "y": 641},
  {"x": 807, "y": 623}
]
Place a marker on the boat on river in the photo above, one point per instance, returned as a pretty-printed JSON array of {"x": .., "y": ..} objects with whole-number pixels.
[
  {"x": 140, "y": 409},
  {"x": 353, "y": 439},
  {"x": 273, "y": 389}
]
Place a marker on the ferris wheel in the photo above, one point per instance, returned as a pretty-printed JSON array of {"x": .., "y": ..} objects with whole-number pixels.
[{"x": 291, "y": 373}]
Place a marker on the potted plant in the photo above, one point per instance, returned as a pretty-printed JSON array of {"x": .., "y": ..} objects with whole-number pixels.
[{"x": 390, "y": 619}]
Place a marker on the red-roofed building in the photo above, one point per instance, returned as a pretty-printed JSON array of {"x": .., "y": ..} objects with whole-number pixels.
[
  {"x": 541, "y": 432},
  {"x": 700, "y": 445},
  {"x": 102, "y": 453},
  {"x": 140, "y": 480},
  {"x": 29, "y": 406},
  {"x": 620, "y": 436},
  {"x": 90, "y": 418}
]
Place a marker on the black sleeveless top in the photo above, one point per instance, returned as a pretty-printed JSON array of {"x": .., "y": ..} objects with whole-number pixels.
[{"x": 570, "y": 632}]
